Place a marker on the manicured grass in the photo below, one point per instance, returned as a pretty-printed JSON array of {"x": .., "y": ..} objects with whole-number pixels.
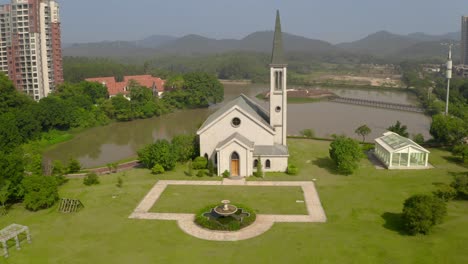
[
  {"x": 362, "y": 209},
  {"x": 262, "y": 199}
]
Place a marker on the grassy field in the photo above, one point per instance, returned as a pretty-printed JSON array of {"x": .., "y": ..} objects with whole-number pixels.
[
  {"x": 362, "y": 209},
  {"x": 264, "y": 200}
]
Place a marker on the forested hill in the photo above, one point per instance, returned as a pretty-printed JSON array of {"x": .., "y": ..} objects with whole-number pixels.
[{"x": 381, "y": 44}]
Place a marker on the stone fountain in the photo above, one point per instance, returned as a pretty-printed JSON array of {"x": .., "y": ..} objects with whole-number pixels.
[{"x": 226, "y": 209}]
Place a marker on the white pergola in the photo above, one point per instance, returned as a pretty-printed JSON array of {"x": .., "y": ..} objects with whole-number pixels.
[
  {"x": 398, "y": 152},
  {"x": 13, "y": 231}
]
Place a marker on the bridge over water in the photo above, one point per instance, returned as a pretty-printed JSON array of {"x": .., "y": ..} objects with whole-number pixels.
[{"x": 379, "y": 104}]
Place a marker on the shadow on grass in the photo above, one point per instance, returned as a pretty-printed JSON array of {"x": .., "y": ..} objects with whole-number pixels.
[
  {"x": 394, "y": 222},
  {"x": 455, "y": 160},
  {"x": 327, "y": 164}
]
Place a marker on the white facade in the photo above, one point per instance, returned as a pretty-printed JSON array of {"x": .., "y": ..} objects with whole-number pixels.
[
  {"x": 241, "y": 133},
  {"x": 398, "y": 152}
]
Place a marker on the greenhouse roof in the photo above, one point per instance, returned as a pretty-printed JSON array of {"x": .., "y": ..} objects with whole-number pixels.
[{"x": 394, "y": 142}]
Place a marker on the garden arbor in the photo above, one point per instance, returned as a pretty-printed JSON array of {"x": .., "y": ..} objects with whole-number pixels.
[
  {"x": 398, "y": 152},
  {"x": 13, "y": 231}
]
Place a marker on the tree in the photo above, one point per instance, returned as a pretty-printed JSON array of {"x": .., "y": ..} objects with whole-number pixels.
[
  {"x": 460, "y": 183},
  {"x": 4, "y": 195},
  {"x": 461, "y": 151},
  {"x": 346, "y": 153},
  {"x": 448, "y": 129},
  {"x": 422, "y": 212},
  {"x": 259, "y": 172},
  {"x": 308, "y": 133},
  {"x": 74, "y": 166},
  {"x": 40, "y": 192},
  {"x": 95, "y": 91},
  {"x": 210, "y": 167},
  {"x": 399, "y": 129},
  {"x": 160, "y": 152},
  {"x": 418, "y": 138},
  {"x": 185, "y": 147},
  {"x": 91, "y": 179},
  {"x": 12, "y": 170},
  {"x": 363, "y": 131}
]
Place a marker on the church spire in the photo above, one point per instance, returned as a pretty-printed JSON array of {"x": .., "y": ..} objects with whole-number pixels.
[{"x": 277, "y": 56}]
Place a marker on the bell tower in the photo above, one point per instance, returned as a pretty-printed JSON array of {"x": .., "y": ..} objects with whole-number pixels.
[{"x": 278, "y": 82}]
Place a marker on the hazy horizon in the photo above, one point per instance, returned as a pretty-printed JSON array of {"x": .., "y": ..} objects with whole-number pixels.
[{"x": 334, "y": 21}]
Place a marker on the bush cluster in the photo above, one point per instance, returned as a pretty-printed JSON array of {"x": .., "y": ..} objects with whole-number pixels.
[
  {"x": 91, "y": 179},
  {"x": 200, "y": 163},
  {"x": 229, "y": 224},
  {"x": 292, "y": 170},
  {"x": 40, "y": 192},
  {"x": 157, "y": 169},
  {"x": 422, "y": 212}
]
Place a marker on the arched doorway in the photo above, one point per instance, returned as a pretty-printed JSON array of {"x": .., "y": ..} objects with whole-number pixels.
[{"x": 235, "y": 164}]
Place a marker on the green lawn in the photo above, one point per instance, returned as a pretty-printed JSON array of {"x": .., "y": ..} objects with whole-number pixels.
[
  {"x": 362, "y": 209},
  {"x": 264, "y": 200}
]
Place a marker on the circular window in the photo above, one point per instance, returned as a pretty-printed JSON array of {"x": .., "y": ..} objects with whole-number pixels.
[
  {"x": 278, "y": 109},
  {"x": 236, "y": 122}
]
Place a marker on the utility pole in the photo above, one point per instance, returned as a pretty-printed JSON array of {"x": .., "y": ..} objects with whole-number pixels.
[{"x": 449, "y": 76}]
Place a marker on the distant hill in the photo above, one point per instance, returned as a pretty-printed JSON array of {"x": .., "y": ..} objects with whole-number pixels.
[{"x": 382, "y": 44}]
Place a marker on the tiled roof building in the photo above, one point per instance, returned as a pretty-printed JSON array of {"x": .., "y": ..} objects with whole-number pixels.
[{"x": 114, "y": 88}]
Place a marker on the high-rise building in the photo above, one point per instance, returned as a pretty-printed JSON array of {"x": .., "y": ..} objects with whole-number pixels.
[
  {"x": 464, "y": 41},
  {"x": 30, "y": 45}
]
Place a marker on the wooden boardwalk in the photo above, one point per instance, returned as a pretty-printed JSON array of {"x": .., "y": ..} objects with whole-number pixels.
[{"x": 378, "y": 104}]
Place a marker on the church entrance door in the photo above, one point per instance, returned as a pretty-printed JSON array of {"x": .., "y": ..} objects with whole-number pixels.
[{"x": 235, "y": 164}]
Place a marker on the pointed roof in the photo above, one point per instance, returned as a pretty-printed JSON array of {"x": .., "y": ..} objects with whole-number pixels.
[
  {"x": 246, "y": 104},
  {"x": 277, "y": 55}
]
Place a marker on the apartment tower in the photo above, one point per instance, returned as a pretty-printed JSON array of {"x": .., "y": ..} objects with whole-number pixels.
[
  {"x": 464, "y": 41},
  {"x": 30, "y": 45}
]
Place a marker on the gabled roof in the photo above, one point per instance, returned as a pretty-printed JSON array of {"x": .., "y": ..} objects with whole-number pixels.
[
  {"x": 277, "y": 55},
  {"x": 245, "y": 104},
  {"x": 275, "y": 150},
  {"x": 393, "y": 142},
  {"x": 238, "y": 137},
  {"x": 114, "y": 87}
]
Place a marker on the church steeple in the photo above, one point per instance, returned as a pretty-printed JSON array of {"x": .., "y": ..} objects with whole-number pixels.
[
  {"x": 278, "y": 89},
  {"x": 277, "y": 56}
]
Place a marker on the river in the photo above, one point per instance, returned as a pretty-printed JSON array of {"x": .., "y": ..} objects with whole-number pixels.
[{"x": 101, "y": 145}]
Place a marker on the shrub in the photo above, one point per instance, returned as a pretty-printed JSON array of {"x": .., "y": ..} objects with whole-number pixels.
[
  {"x": 200, "y": 163},
  {"x": 446, "y": 192},
  {"x": 157, "y": 169},
  {"x": 211, "y": 168},
  {"x": 307, "y": 133},
  {"x": 366, "y": 147},
  {"x": 346, "y": 153},
  {"x": 201, "y": 173},
  {"x": 40, "y": 192},
  {"x": 227, "y": 223},
  {"x": 61, "y": 180},
  {"x": 292, "y": 170},
  {"x": 91, "y": 179},
  {"x": 226, "y": 174},
  {"x": 190, "y": 168},
  {"x": 74, "y": 166},
  {"x": 460, "y": 184},
  {"x": 422, "y": 212},
  {"x": 119, "y": 183},
  {"x": 418, "y": 138},
  {"x": 58, "y": 168},
  {"x": 185, "y": 147},
  {"x": 160, "y": 152},
  {"x": 259, "y": 172}
]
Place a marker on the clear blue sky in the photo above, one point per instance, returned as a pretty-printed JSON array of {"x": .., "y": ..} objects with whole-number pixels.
[{"x": 331, "y": 20}]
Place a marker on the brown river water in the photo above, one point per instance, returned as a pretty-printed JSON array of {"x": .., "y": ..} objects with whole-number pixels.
[{"x": 101, "y": 145}]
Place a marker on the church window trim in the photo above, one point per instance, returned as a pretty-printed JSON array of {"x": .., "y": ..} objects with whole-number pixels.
[
  {"x": 267, "y": 164},
  {"x": 255, "y": 163},
  {"x": 279, "y": 80}
]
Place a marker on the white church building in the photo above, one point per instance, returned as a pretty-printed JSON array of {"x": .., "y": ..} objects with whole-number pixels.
[{"x": 241, "y": 133}]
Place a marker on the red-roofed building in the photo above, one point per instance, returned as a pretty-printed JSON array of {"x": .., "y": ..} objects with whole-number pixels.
[{"x": 114, "y": 88}]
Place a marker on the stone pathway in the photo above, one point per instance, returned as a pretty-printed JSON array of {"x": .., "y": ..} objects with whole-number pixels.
[{"x": 262, "y": 224}]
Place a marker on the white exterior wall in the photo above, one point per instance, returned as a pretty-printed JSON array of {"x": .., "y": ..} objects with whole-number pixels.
[
  {"x": 245, "y": 158},
  {"x": 278, "y": 120},
  {"x": 278, "y": 164},
  {"x": 223, "y": 129}
]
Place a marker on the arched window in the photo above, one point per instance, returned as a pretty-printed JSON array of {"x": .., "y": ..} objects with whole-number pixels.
[
  {"x": 206, "y": 156},
  {"x": 255, "y": 164},
  {"x": 216, "y": 158},
  {"x": 235, "y": 156},
  {"x": 267, "y": 164}
]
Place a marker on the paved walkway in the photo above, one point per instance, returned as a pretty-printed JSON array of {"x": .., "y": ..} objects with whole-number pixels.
[{"x": 262, "y": 224}]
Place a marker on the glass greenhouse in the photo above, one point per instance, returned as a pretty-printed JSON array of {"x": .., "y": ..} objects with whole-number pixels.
[{"x": 398, "y": 152}]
